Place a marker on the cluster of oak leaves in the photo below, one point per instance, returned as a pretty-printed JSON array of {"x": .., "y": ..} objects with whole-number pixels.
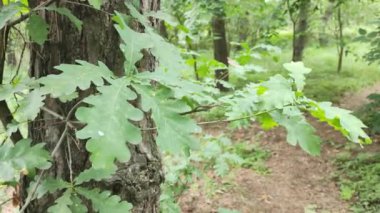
[{"x": 278, "y": 101}]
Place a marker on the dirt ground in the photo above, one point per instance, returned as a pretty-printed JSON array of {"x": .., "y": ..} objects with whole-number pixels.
[{"x": 297, "y": 182}]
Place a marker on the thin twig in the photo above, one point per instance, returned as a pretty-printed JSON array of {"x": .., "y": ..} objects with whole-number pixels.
[
  {"x": 200, "y": 109},
  {"x": 30, "y": 196},
  {"x": 51, "y": 112},
  {"x": 87, "y": 6},
  {"x": 21, "y": 55},
  {"x": 222, "y": 121},
  {"x": 229, "y": 120},
  {"x": 23, "y": 17},
  {"x": 70, "y": 161},
  {"x": 5, "y": 201}
]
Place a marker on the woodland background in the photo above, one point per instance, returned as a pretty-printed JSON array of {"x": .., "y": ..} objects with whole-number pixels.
[{"x": 190, "y": 106}]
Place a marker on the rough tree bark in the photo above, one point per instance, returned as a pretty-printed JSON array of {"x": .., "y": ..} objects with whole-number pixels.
[
  {"x": 300, "y": 30},
  {"x": 220, "y": 47},
  {"x": 137, "y": 181}
]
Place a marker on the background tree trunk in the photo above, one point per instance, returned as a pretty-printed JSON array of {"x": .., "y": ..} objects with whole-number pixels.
[
  {"x": 137, "y": 181},
  {"x": 220, "y": 47},
  {"x": 340, "y": 39},
  {"x": 323, "y": 36},
  {"x": 300, "y": 33}
]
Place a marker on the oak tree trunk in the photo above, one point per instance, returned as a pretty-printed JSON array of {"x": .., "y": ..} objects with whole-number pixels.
[
  {"x": 300, "y": 31},
  {"x": 340, "y": 38},
  {"x": 137, "y": 181},
  {"x": 220, "y": 47}
]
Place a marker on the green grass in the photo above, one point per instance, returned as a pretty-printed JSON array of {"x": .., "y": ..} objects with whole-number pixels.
[
  {"x": 358, "y": 177},
  {"x": 324, "y": 83}
]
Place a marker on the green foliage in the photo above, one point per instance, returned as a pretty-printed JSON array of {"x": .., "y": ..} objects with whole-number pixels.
[
  {"x": 49, "y": 185},
  {"x": 95, "y": 174},
  {"x": 67, "y": 13},
  {"x": 323, "y": 83},
  {"x": 70, "y": 79},
  {"x": 216, "y": 154},
  {"x": 104, "y": 201},
  {"x": 7, "y": 12},
  {"x": 38, "y": 29},
  {"x": 359, "y": 178},
  {"x": 6, "y": 90},
  {"x": 171, "y": 126},
  {"x": 297, "y": 71},
  {"x": 370, "y": 114},
  {"x": 373, "y": 39},
  {"x": 22, "y": 158},
  {"x": 134, "y": 42},
  {"x": 114, "y": 114},
  {"x": 96, "y": 3},
  {"x": 282, "y": 100},
  {"x": 275, "y": 93},
  {"x": 62, "y": 204},
  {"x": 342, "y": 120},
  {"x": 29, "y": 107},
  {"x": 112, "y": 108},
  {"x": 299, "y": 131}
]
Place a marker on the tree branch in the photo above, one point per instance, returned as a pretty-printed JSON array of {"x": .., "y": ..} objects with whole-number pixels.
[
  {"x": 30, "y": 196},
  {"x": 202, "y": 108},
  {"x": 23, "y": 17}
]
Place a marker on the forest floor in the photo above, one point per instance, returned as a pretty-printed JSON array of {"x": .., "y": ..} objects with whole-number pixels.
[{"x": 297, "y": 182}]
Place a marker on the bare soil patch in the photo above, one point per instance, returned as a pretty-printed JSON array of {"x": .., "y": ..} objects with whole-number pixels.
[{"x": 297, "y": 181}]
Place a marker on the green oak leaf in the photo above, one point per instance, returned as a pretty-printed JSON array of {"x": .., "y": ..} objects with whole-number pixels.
[
  {"x": 275, "y": 93},
  {"x": 95, "y": 174},
  {"x": 74, "y": 76},
  {"x": 7, "y": 12},
  {"x": 133, "y": 43},
  {"x": 29, "y": 107},
  {"x": 174, "y": 81},
  {"x": 21, "y": 158},
  {"x": 341, "y": 119},
  {"x": 96, "y": 3},
  {"x": 266, "y": 121},
  {"x": 299, "y": 131},
  {"x": 66, "y": 12},
  {"x": 38, "y": 29},
  {"x": 108, "y": 127},
  {"x": 166, "y": 53},
  {"x": 62, "y": 204},
  {"x": 7, "y": 90},
  {"x": 174, "y": 130},
  {"x": 243, "y": 102},
  {"x": 297, "y": 71},
  {"x": 103, "y": 202},
  {"x": 77, "y": 206},
  {"x": 163, "y": 16},
  {"x": 49, "y": 185}
]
